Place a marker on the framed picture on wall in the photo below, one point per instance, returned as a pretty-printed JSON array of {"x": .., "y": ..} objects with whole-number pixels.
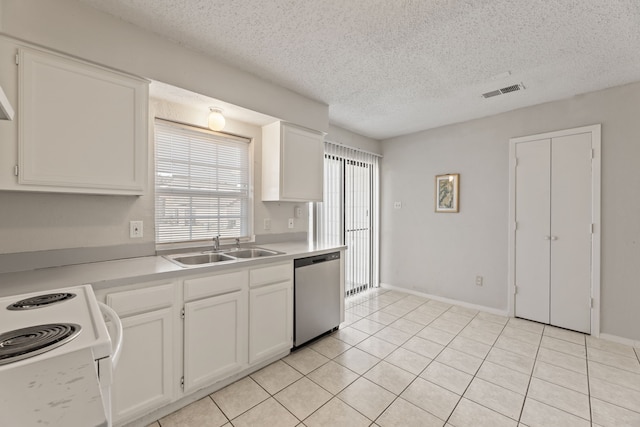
[{"x": 447, "y": 192}]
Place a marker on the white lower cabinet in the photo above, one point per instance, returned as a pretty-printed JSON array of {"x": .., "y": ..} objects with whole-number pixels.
[
  {"x": 204, "y": 329},
  {"x": 215, "y": 337},
  {"x": 144, "y": 378},
  {"x": 270, "y": 328},
  {"x": 270, "y": 311}
]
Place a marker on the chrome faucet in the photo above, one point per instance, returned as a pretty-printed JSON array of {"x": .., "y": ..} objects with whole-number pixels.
[
  {"x": 216, "y": 243},
  {"x": 237, "y": 242}
]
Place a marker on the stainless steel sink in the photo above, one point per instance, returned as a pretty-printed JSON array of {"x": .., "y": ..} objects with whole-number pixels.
[
  {"x": 199, "y": 259},
  {"x": 251, "y": 253},
  {"x": 203, "y": 258}
]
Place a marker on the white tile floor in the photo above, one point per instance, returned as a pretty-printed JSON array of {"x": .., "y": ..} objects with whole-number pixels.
[{"x": 403, "y": 360}]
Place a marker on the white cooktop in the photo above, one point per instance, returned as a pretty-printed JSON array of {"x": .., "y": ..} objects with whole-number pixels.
[{"x": 82, "y": 310}]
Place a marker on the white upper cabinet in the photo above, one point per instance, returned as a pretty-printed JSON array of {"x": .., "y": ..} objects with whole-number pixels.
[
  {"x": 82, "y": 128},
  {"x": 292, "y": 163}
]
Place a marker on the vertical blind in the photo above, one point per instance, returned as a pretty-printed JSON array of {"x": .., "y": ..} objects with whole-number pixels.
[
  {"x": 349, "y": 213},
  {"x": 202, "y": 184}
]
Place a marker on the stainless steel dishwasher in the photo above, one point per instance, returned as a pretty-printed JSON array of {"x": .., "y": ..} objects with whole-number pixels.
[{"x": 317, "y": 296}]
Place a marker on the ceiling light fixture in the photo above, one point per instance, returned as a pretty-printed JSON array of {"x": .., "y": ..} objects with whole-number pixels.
[{"x": 216, "y": 119}]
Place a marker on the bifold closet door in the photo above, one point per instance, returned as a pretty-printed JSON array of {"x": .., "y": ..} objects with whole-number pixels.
[
  {"x": 533, "y": 184},
  {"x": 571, "y": 218},
  {"x": 553, "y": 231}
]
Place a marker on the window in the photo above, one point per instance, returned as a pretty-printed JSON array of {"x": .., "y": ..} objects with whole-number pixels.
[{"x": 202, "y": 184}]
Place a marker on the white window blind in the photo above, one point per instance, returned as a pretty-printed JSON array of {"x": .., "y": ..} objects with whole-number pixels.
[{"x": 202, "y": 184}]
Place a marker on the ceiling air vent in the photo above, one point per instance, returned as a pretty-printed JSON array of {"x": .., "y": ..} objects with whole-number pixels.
[{"x": 504, "y": 90}]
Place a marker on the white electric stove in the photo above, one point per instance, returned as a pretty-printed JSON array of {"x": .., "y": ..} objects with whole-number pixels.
[{"x": 38, "y": 329}]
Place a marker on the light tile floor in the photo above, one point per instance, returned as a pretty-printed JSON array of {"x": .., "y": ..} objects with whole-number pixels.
[{"x": 403, "y": 360}]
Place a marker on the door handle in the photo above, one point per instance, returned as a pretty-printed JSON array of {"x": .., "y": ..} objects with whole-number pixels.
[
  {"x": 554, "y": 237},
  {"x": 547, "y": 237}
]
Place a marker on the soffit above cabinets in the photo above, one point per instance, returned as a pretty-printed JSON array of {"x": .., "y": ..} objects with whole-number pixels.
[
  {"x": 388, "y": 68},
  {"x": 175, "y": 95}
]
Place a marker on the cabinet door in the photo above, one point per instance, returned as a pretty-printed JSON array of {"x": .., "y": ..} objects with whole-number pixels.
[
  {"x": 215, "y": 339},
  {"x": 302, "y": 164},
  {"x": 270, "y": 320},
  {"x": 533, "y": 230},
  {"x": 571, "y": 219},
  {"x": 143, "y": 380},
  {"x": 83, "y": 128}
]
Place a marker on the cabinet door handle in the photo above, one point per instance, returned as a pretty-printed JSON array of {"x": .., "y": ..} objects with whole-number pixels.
[
  {"x": 547, "y": 237},
  {"x": 554, "y": 237}
]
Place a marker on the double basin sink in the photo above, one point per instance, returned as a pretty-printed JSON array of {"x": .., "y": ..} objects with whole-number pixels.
[{"x": 203, "y": 258}]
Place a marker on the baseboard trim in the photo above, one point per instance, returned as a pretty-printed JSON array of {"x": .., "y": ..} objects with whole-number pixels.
[
  {"x": 620, "y": 340},
  {"x": 486, "y": 309},
  {"x": 152, "y": 416}
]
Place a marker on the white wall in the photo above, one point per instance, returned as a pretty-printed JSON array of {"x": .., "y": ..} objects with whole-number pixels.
[
  {"x": 77, "y": 29},
  {"x": 342, "y": 136},
  {"x": 442, "y": 253},
  {"x": 36, "y": 222}
]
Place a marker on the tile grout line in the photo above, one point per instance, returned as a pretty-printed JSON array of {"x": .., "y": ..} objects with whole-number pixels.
[
  {"x": 533, "y": 368},
  {"x": 586, "y": 361},
  {"x": 447, "y": 346},
  {"x": 398, "y": 396},
  {"x": 400, "y": 346},
  {"x": 434, "y": 359},
  {"x": 588, "y": 395},
  {"x": 475, "y": 375},
  {"x": 372, "y": 306},
  {"x": 217, "y": 406}
]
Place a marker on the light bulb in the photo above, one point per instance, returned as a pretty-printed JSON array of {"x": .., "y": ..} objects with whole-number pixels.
[{"x": 216, "y": 119}]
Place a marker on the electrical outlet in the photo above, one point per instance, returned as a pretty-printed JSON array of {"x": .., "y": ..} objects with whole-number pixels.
[
  {"x": 397, "y": 205},
  {"x": 298, "y": 212},
  {"x": 267, "y": 223},
  {"x": 135, "y": 229},
  {"x": 291, "y": 223},
  {"x": 479, "y": 280}
]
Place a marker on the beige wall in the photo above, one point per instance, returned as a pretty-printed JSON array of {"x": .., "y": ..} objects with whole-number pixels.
[
  {"x": 442, "y": 253},
  {"x": 36, "y": 222}
]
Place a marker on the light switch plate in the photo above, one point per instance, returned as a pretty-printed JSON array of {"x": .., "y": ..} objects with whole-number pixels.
[{"x": 290, "y": 222}]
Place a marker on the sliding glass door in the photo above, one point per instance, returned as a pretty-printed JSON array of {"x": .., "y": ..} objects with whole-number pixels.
[{"x": 349, "y": 213}]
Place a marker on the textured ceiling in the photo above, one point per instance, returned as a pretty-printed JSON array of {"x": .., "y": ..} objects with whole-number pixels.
[{"x": 391, "y": 67}]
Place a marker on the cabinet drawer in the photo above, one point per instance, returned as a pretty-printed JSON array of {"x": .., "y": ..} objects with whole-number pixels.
[
  {"x": 214, "y": 285},
  {"x": 128, "y": 303},
  {"x": 271, "y": 274}
]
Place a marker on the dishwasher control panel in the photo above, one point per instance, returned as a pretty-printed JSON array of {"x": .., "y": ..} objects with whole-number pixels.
[{"x": 301, "y": 262}]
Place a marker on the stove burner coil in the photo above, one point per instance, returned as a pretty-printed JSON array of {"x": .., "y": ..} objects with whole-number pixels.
[
  {"x": 40, "y": 301},
  {"x": 28, "y": 342}
]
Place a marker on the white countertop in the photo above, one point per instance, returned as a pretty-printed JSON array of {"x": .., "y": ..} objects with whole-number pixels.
[
  {"x": 61, "y": 391},
  {"x": 108, "y": 274}
]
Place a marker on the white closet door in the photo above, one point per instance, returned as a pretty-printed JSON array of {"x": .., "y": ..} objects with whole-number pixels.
[
  {"x": 571, "y": 219},
  {"x": 532, "y": 233}
]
